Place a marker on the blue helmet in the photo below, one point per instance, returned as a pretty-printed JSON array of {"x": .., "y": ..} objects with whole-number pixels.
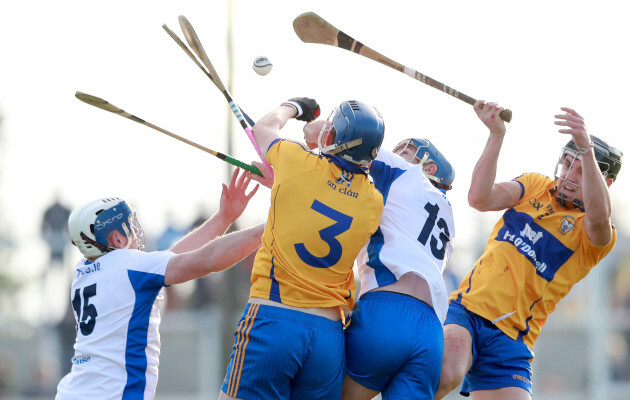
[
  {"x": 357, "y": 132},
  {"x": 427, "y": 152}
]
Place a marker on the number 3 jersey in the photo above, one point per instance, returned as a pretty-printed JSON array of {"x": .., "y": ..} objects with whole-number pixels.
[
  {"x": 323, "y": 210},
  {"x": 116, "y": 302},
  {"x": 535, "y": 254},
  {"x": 415, "y": 234}
]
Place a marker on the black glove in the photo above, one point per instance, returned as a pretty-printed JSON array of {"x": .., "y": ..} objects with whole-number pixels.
[{"x": 306, "y": 109}]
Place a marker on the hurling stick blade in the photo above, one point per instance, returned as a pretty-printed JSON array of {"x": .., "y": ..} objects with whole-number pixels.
[
  {"x": 195, "y": 44},
  {"x": 311, "y": 28},
  {"x": 107, "y": 106},
  {"x": 183, "y": 46}
]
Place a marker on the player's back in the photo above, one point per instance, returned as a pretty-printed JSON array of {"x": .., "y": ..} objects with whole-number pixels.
[
  {"x": 416, "y": 231},
  {"x": 116, "y": 305},
  {"x": 323, "y": 209}
]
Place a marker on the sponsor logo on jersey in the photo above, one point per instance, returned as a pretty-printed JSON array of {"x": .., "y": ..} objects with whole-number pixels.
[
  {"x": 531, "y": 234},
  {"x": 535, "y": 204},
  {"x": 567, "y": 224},
  {"x": 345, "y": 179},
  {"x": 549, "y": 210},
  {"x": 524, "y": 243},
  {"x": 544, "y": 251},
  {"x": 88, "y": 269},
  {"x": 343, "y": 190}
]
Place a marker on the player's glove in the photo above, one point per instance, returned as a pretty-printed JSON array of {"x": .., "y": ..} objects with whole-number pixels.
[{"x": 306, "y": 109}]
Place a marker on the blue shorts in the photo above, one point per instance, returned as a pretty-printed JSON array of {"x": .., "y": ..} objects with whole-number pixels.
[
  {"x": 285, "y": 354},
  {"x": 498, "y": 360},
  {"x": 394, "y": 345}
]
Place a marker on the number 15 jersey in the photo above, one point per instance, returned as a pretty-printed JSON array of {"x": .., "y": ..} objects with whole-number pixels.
[
  {"x": 323, "y": 210},
  {"x": 116, "y": 302}
]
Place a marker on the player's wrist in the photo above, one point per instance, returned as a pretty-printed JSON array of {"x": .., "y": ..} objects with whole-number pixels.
[
  {"x": 295, "y": 106},
  {"x": 584, "y": 149}
]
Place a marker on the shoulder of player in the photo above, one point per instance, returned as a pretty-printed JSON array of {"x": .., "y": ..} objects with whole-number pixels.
[
  {"x": 288, "y": 143},
  {"x": 135, "y": 257},
  {"x": 533, "y": 177}
]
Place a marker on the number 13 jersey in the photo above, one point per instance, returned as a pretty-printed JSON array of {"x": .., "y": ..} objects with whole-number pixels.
[
  {"x": 416, "y": 231},
  {"x": 323, "y": 210}
]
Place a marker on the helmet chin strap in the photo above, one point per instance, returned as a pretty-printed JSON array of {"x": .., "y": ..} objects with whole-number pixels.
[
  {"x": 335, "y": 148},
  {"x": 130, "y": 236}
]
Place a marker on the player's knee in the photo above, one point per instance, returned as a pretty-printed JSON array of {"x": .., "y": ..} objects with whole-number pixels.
[{"x": 450, "y": 378}]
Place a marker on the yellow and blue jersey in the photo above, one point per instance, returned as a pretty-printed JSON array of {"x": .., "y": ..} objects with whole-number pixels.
[
  {"x": 323, "y": 210},
  {"x": 536, "y": 253}
]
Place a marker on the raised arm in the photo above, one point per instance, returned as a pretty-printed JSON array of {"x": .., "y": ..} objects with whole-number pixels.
[
  {"x": 594, "y": 186},
  {"x": 267, "y": 129},
  {"x": 218, "y": 255},
  {"x": 484, "y": 194},
  {"x": 233, "y": 201}
]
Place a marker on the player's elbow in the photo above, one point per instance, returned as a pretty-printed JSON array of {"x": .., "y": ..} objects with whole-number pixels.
[{"x": 478, "y": 202}]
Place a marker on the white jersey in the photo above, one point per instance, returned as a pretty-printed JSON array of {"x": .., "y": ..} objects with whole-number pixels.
[
  {"x": 116, "y": 302},
  {"x": 415, "y": 234}
]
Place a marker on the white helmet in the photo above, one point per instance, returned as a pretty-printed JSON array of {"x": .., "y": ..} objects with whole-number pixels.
[{"x": 90, "y": 223}]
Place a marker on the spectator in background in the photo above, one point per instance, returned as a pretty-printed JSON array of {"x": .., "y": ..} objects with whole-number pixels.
[{"x": 54, "y": 230}]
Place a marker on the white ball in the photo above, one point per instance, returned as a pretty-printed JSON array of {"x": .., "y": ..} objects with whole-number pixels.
[{"x": 262, "y": 65}]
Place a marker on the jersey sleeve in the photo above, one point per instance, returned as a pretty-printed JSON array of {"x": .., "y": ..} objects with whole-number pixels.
[
  {"x": 592, "y": 254},
  {"x": 150, "y": 265},
  {"x": 530, "y": 183}
]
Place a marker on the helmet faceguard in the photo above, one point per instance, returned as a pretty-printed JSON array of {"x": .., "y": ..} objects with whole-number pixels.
[
  {"x": 609, "y": 160},
  {"x": 426, "y": 152},
  {"x": 91, "y": 223},
  {"x": 356, "y": 130}
]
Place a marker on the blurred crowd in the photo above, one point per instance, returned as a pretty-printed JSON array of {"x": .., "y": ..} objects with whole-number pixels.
[{"x": 25, "y": 345}]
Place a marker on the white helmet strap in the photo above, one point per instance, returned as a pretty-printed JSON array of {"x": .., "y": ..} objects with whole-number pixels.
[{"x": 128, "y": 235}]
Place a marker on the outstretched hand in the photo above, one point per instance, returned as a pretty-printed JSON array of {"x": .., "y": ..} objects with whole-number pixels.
[
  {"x": 233, "y": 196},
  {"x": 488, "y": 113},
  {"x": 576, "y": 127},
  {"x": 266, "y": 179}
]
